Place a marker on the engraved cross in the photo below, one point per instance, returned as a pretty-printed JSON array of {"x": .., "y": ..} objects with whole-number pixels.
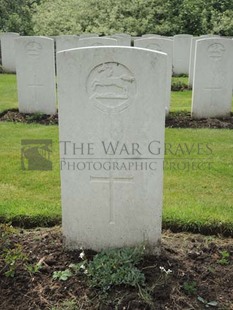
[
  {"x": 111, "y": 180},
  {"x": 35, "y": 88}
]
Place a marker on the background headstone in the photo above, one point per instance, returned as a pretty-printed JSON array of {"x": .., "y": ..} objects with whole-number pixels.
[
  {"x": 162, "y": 45},
  {"x": 111, "y": 95},
  {"x": 36, "y": 75},
  {"x": 192, "y": 56},
  {"x": 66, "y": 42},
  {"x": 96, "y": 42},
  {"x": 191, "y": 61},
  {"x": 213, "y": 76},
  {"x": 88, "y": 35},
  {"x": 148, "y": 35},
  {"x": 122, "y": 39},
  {"x": 181, "y": 53},
  {"x": 8, "y": 51}
]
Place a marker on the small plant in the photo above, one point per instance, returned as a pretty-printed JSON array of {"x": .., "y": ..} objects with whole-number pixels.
[
  {"x": 33, "y": 268},
  {"x": 12, "y": 253},
  {"x": 13, "y": 258},
  {"x": 35, "y": 117},
  {"x": 6, "y": 231},
  {"x": 67, "y": 305},
  {"x": 224, "y": 260},
  {"x": 116, "y": 267},
  {"x": 190, "y": 288},
  {"x": 165, "y": 274},
  {"x": 62, "y": 275}
]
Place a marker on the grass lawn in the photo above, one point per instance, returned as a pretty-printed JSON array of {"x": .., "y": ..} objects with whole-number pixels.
[
  {"x": 197, "y": 196},
  {"x": 198, "y": 186},
  {"x": 27, "y": 193},
  {"x": 8, "y": 92}
]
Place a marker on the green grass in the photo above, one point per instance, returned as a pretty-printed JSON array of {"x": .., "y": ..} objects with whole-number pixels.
[
  {"x": 27, "y": 193},
  {"x": 181, "y": 101},
  {"x": 198, "y": 200},
  {"x": 198, "y": 187},
  {"x": 8, "y": 92}
]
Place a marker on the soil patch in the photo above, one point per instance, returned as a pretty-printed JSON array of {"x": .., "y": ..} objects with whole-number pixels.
[
  {"x": 174, "y": 120},
  {"x": 199, "y": 276},
  {"x": 184, "y": 120}
]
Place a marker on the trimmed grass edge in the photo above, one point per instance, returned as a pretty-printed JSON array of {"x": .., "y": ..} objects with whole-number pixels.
[{"x": 174, "y": 225}]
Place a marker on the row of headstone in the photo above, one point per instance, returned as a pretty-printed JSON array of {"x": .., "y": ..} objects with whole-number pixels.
[
  {"x": 36, "y": 77},
  {"x": 182, "y": 55},
  {"x": 36, "y": 73},
  {"x": 67, "y": 42}
]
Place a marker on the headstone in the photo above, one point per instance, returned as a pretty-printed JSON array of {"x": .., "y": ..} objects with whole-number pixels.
[
  {"x": 191, "y": 62},
  {"x": 208, "y": 36},
  {"x": 192, "y": 56},
  {"x": 213, "y": 76},
  {"x": 111, "y": 118},
  {"x": 148, "y": 35},
  {"x": 122, "y": 39},
  {"x": 8, "y": 51},
  {"x": 96, "y": 42},
  {"x": 162, "y": 45},
  {"x": 181, "y": 53},
  {"x": 66, "y": 42},
  {"x": 36, "y": 75},
  {"x": 88, "y": 35}
]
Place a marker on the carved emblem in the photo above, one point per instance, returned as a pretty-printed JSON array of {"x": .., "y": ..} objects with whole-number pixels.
[
  {"x": 111, "y": 87},
  {"x": 33, "y": 49},
  {"x": 216, "y": 51}
]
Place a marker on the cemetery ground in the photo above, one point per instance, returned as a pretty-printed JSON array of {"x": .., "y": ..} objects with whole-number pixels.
[
  {"x": 192, "y": 272},
  {"x": 198, "y": 182}
]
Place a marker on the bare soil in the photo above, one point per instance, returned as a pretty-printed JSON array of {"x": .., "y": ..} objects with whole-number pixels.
[
  {"x": 195, "y": 261},
  {"x": 174, "y": 120}
]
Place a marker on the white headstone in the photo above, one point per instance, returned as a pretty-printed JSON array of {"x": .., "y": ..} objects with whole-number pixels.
[
  {"x": 96, "y": 42},
  {"x": 111, "y": 118},
  {"x": 192, "y": 56},
  {"x": 208, "y": 36},
  {"x": 148, "y": 35},
  {"x": 181, "y": 53},
  {"x": 8, "y": 51},
  {"x": 162, "y": 45},
  {"x": 66, "y": 42},
  {"x": 191, "y": 62},
  {"x": 122, "y": 39},
  {"x": 88, "y": 35},
  {"x": 36, "y": 75},
  {"x": 213, "y": 76}
]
